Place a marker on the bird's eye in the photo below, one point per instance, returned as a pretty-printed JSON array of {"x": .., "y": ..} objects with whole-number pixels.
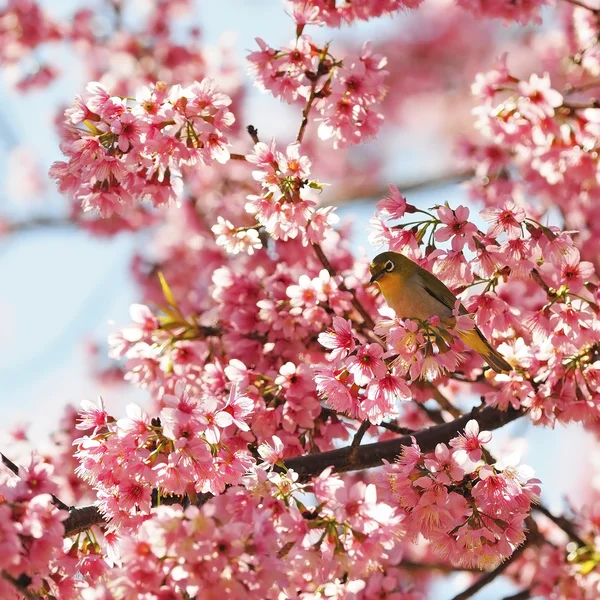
[{"x": 389, "y": 266}]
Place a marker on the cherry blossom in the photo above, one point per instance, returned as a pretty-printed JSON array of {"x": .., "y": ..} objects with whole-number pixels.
[{"x": 292, "y": 436}]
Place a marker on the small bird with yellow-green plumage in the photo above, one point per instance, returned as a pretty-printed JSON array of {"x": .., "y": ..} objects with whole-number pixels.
[{"x": 414, "y": 293}]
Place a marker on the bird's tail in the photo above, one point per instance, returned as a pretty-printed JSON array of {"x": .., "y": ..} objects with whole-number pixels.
[{"x": 476, "y": 340}]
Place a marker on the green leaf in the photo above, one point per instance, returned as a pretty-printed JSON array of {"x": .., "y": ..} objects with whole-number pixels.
[{"x": 168, "y": 294}]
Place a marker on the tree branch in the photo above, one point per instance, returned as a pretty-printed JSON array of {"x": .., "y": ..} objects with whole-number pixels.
[
  {"x": 410, "y": 565},
  {"x": 9, "y": 464},
  {"x": 489, "y": 577},
  {"x": 522, "y": 595},
  {"x": 371, "y": 191},
  {"x": 358, "y": 436},
  {"x": 344, "y": 459},
  {"x": 582, "y": 5},
  {"x": 7, "y": 227},
  {"x": 355, "y": 301},
  {"x": 372, "y": 455},
  {"x": 567, "y": 526},
  {"x": 82, "y": 518},
  {"x": 396, "y": 428},
  {"x": 21, "y": 585}
]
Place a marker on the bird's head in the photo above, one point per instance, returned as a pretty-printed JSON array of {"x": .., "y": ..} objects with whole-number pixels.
[{"x": 390, "y": 264}]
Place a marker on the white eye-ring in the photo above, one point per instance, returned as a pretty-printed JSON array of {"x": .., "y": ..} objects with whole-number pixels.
[{"x": 389, "y": 266}]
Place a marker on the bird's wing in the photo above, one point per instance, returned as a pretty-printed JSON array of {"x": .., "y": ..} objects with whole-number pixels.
[{"x": 436, "y": 289}]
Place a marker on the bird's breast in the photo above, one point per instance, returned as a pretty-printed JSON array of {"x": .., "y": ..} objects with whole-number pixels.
[{"x": 410, "y": 300}]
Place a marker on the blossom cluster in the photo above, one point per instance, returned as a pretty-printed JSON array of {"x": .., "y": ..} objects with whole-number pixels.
[
  {"x": 322, "y": 12},
  {"x": 547, "y": 137},
  {"x": 473, "y": 513},
  {"x": 357, "y": 381},
  {"x": 554, "y": 572},
  {"x": 24, "y": 27},
  {"x": 263, "y": 539},
  {"x": 522, "y": 11},
  {"x": 286, "y": 206},
  {"x": 35, "y": 560},
  {"x": 264, "y": 310},
  {"x": 267, "y": 313},
  {"x": 183, "y": 450},
  {"x": 347, "y": 93},
  {"x": 122, "y": 152},
  {"x": 538, "y": 299}
]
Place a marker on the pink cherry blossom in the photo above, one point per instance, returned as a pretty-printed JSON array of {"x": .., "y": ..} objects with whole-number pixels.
[
  {"x": 340, "y": 340},
  {"x": 507, "y": 219},
  {"x": 366, "y": 363},
  {"x": 456, "y": 227},
  {"x": 471, "y": 441}
]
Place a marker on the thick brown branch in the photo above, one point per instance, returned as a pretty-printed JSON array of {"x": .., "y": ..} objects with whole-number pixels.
[
  {"x": 372, "y": 455},
  {"x": 345, "y": 459},
  {"x": 83, "y": 518},
  {"x": 80, "y": 519},
  {"x": 417, "y": 566},
  {"x": 522, "y": 595},
  {"x": 489, "y": 577}
]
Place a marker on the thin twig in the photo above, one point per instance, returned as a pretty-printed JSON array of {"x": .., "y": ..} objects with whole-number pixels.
[
  {"x": 535, "y": 275},
  {"x": 358, "y": 436},
  {"x": 522, "y": 595},
  {"x": 565, "y": 524},
  {"x": 396, "y": 428},
  {"x": 307, "y": 107},
  {"x": 370, "y": 191},
  {"x": 326, "y": 412},
  {"x": 369, "y": 322},
  {"x": 489, "y": 577},
  {"x": 21, "y": 586},
  {"x": 34, "y": 223},
  {"x": 444, "y": 403},
  {"x": 9, "y": 463},
  {"x": 582, "y": 5},
  {"x": 235, "y": 156},
  {"x": 253, "y": 133},
  {"x": 581, "y": 105},
  {"x": 574, "y": 89}
]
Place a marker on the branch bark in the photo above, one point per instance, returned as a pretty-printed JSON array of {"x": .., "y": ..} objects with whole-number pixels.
[
  {"x": 372, "y": 455},
  {"x": 7, "y": 227},
  {"x": 522, "y": 595},
  {"x": 346, "y": 459},
  {"x": 372, "y": 191},
  {"x": 489, "y": 577}
]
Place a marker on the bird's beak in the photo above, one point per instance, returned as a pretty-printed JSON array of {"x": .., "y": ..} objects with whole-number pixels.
[{"x": 375, "y": 276}]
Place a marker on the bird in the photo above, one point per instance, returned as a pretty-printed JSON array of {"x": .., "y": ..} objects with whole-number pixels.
[{"x": 414, "y": 293}]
